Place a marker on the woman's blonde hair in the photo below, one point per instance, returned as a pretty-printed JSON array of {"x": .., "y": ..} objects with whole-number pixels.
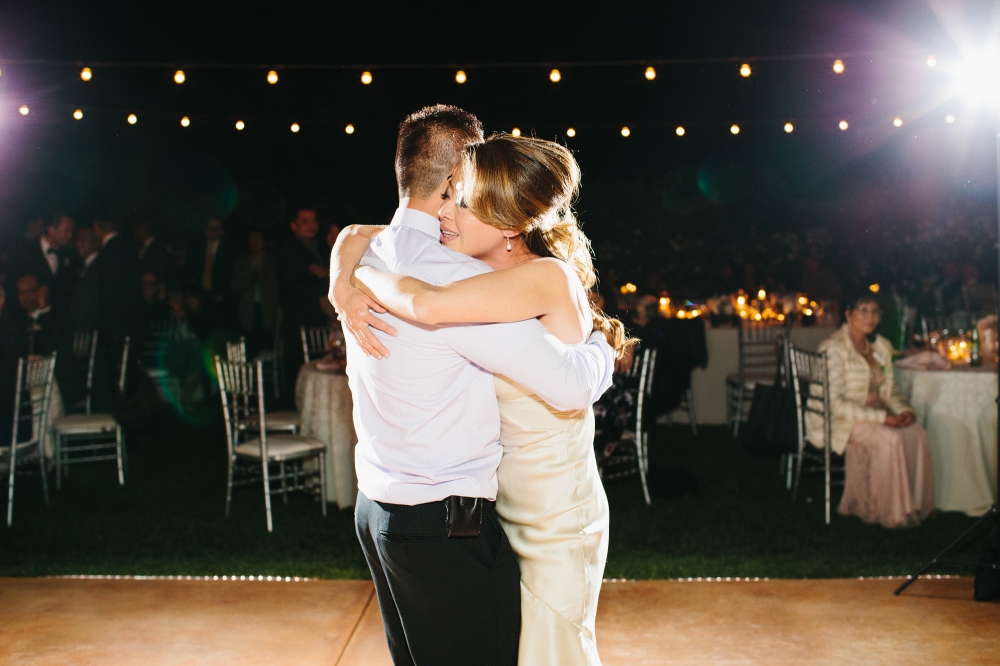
[{"x": 528, "y": 185}]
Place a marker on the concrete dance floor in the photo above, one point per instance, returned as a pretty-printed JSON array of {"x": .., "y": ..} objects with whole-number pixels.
[{"x": 336, "y": 623}]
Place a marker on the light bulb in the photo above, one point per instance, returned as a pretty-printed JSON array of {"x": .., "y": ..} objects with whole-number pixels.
[
  {"x": 838, "y": 66},
  {"x": 349, "y": 129},
  {"x": 240, "y": 124},
  {"x": 272, "y": 77},
  {"x": 949, "y": 119},
  {"x": 515, "y": 132},
  {"x": 897, "y": 121},
  {"x": 626, "y": 131},
  {"x": 460, "y": 76},
  {"x": 185, "y": 121},
  {"x": 789, "y": 128},
  {"x": 295, "y": 127},
  {"x": 734, "y": 129},
  {"x": 555, "y": 76},
  {"x": 680, "y": 130},
  {"x": 761, "y": 294},
  {"x": 745, "y": 70},
  {"x": 931, "y": 61},
  {"x": 86, "y": 74},
  {"x": 132, "y": 119},
  {"x": 179, "y": 76},
  {"x": 571, "y": 132},
  {"x": 366, "y": 77},
  {"x": 78, "y": 114},
  {"x": 24, "y": 110},
  {"x": 842, "y": 124},
  {"x": 650, "y": 73}
]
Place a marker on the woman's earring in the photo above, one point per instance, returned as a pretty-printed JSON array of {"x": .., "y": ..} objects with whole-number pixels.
[{"x": 509, "y": 248}]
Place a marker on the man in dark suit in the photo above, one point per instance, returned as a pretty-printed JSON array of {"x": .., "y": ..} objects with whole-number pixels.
[
  {"x": 49, "y": 260},
  {"x": 85, "y": 302},
  {"x": 13, "y": 345},
  {"x": 119, "y": 291},
  {"x": 303, "y": 280},
  {"x": 211, "y": 271}
]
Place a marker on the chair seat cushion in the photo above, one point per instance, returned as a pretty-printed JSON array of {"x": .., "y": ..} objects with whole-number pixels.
[
  {"x": 71, "y": 424},
  {"x": 281, "y": 447},
  {"x": 282, "y": 420}
]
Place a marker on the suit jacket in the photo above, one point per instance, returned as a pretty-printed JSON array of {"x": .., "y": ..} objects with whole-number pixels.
[
  {"x": 119, "y": 290},
  {"x": 300, "y": 290},
  {"x": 85, "y": 301}
]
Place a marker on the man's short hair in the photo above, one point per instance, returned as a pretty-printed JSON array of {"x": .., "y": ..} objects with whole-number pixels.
[
  {"x": 55, "y": 219},
  {"x": 429, "y": 146}
]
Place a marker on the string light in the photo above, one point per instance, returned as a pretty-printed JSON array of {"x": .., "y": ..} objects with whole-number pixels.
[
  {"x": 842, "y": 124},
  {"x": 931, "y": 61},
  {"x": 949, "y": 119},
  {"x": 24, "y": 110},
  {"x": 240, "y": 125},
  {"x": 734, "y": 129},
  {"x": 185, "y": 121},
  {"x": 571, "y": 132},
  {"x": 789, "y": 128},
  {"x": 78, "y": 114},
  {"x": 460, "y": 76},
  {"x": 366, "y": 77},
  {"x": 555, "y": 76},
  {"x": 132, "y": 119},
  {"x": 626, "y": 131},
  {"x": 745, "y": 70},
  {"x": 680, "y": 131},
  {"x": 272, "y": 77},
  {"x": 86, "y": 74},
  {"x": 179, "y": 77},
  {"x": 874, "y": 288},
  {"x": 897, "y": 121},
  {"x": 838, "y": 66},
  {"x": 349, "y": 129},
  {"x": 515, "y": 132},
  {"x": 650, "y": 73},
  {"x": 295, "y": 127}
]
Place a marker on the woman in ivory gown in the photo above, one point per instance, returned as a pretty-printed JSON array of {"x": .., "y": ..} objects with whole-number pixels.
[{"x": 510, "y": 204}]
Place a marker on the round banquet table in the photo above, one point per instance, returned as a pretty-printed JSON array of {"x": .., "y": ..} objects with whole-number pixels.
[
  {"x": 958, "y": 410},
  {"x": 325, "y": 408}
]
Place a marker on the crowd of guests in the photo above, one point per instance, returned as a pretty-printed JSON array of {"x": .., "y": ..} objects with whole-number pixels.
[{"x": 128, "y": 278}]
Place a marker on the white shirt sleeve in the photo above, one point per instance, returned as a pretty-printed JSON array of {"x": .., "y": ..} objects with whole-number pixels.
[{"x": 567, "y": 377}]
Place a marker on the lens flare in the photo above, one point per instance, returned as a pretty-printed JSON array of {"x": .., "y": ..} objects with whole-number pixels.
[
  {"x": 949, "y": 119},
  {"x": 931, "y": 61}
]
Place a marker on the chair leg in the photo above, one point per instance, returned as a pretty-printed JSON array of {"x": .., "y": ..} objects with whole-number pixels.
[
  {"x": 798, "y": 475},
  {"x": 826, "y": 470},
  {"x": 58, "y": 453},
  {"x": 267, "y": 494},
  {"x": 738, "y": 415},
  {"x": 284, "y": 484},
  {"x": 45, "y": 476},
  {"x": 322, "y": 481},
  {"x": 691, "y": 415},
  {"x": 789, "y": 461},
  {"x": 229, "y": 485},
  {"x": 118, "y": 446},
  {"x": 641, "y": 451},
  {"x": 10, "y": 481}
]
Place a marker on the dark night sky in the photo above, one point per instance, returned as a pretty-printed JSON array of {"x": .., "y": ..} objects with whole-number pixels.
[{"x": 653, "y": 178}]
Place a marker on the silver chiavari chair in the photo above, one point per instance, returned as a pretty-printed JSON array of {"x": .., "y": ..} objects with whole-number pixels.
[
  {"x": 280, "y": 421},
  {"x": 85, "y": 438},
  {"x": 640, "y": 378},
  {"x": 811, "y": 382},
  {"x": 242, "y": 391},
  {"x": 315, "y": 342},
  {"x": 760, "y": 345},
  {"x": 32, "y": 395},
  {"x": 85, "y": 351}
]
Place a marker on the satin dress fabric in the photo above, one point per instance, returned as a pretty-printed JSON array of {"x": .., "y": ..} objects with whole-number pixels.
[{"x": 552, "y": 505}]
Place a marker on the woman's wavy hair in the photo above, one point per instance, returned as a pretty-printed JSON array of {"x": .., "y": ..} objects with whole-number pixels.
[{"x": 529, "y": 185}]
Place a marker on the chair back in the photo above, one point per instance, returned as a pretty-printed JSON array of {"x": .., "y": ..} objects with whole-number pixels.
[
  {"x": 236, "y": 352},
  {"x": 315, "y": 342},
  {"x": 760, "y": 347},
  {"x": 85, "y": 351},
  {"x": 123, "y": 368},
  {"x": 811, "y": 382},
  {"x": 241, "y": 388},
  {"x": 33, "y": 392}
]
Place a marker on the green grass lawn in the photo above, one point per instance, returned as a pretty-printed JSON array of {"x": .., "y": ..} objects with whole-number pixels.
[{"x": 168, "y": 520}]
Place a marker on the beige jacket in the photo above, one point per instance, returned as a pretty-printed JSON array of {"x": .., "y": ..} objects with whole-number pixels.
[{"x": 849, "y": 378}]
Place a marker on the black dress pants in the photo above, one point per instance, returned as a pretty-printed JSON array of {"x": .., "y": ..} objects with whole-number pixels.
[{"x": 443, "y": 601}]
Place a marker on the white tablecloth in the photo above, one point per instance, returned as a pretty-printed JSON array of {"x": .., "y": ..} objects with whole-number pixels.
[
  {"x": 959, "y": 411},
  {"x": 325, "y": 406},
  {"x": 708, "y": 386}
]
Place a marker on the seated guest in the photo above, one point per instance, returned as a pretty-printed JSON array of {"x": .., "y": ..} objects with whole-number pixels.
[
  {"x": 46, "y": 258},
  {"x": 255, "y": 283},
  {"x": 889, "y": 475},
  {"x": 46, "y": 334}
]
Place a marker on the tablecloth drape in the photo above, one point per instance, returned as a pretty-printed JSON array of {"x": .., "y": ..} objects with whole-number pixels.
[{"x": 325, "y": 408}]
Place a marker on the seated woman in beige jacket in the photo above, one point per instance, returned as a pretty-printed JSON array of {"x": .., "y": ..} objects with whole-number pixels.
[{"x": 889, "y": 478}]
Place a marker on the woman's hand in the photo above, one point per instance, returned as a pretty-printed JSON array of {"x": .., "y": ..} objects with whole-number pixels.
[
  {"x": 354, "y": 309},
  {"x": 899, "y": 420}
]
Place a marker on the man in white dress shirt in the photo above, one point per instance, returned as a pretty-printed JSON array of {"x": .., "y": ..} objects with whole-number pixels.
[{"x": 428, "y": 426}]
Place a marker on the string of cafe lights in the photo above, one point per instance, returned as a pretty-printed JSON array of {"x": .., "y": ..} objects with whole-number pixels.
[{"x": 555, "y": 75}]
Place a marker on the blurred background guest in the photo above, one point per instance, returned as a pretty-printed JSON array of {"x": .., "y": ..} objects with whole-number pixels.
[
  {"x": 46, "y": 332},
  {"x": 889, "y": 477},
  {"x": 255, "y": 284},
  {"x": 211, "y": 271},
  {"x": 48, "y": 258},
  {"x": 85, "y": 301}
]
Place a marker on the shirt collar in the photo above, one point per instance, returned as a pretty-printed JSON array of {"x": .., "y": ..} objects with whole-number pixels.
[
  {"x": 416, "y": 219},
  {"x": 89, "y": 259},
  {"x": 108, "y": 238},
  {"x": 45, "y": 245}
]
